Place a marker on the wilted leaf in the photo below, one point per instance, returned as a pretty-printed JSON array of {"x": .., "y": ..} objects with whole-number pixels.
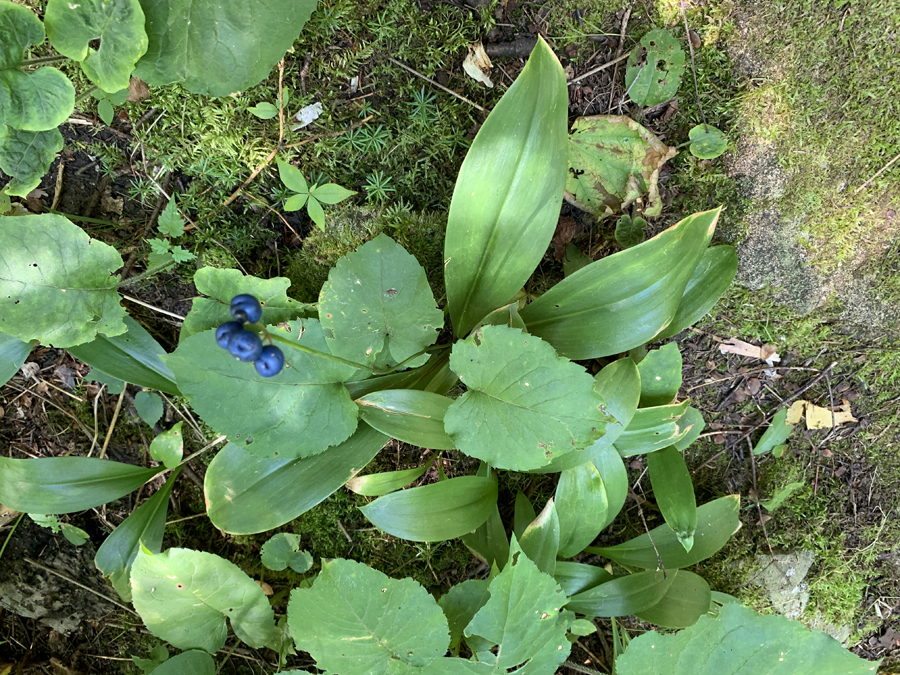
[
  {"x": 477, "y": 64},
  {"x": 765, "y": 352},
  {"x": 654, "y": 70},
  {"x": 818, "y": 417}
]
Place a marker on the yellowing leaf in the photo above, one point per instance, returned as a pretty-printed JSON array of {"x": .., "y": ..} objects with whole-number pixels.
[
  {"x": 795, "y": 412},
  {"x": 818, "y": 417}
]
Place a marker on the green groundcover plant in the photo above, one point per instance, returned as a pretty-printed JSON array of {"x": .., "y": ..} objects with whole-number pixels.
[{"x": 376, "y": 358}]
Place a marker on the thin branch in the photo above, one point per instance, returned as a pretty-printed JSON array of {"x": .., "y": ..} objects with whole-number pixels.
[
  {"x": 155, "y": 309},
  {"x": 435, "y": 84},
  {"x": 112, "y": 425},
  {"x": 879, "y": 172},
  {"x": 599, "y": 68},
  {"x": 687, "y": 32},
  {"x": 80, "y": 585}
]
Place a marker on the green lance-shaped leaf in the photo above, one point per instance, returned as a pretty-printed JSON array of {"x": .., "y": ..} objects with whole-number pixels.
[
  {"x": 436, "y": 512},
  {"x": 717, "y": 521},
  {"x": 652, "y": 429},
  {"x": 414, "y": 417},
  {"x": 506, "y": 201},
  {"x": 613, "y": 162},
  {"x": 652, "y": 74},
  {"x": 378, "y": 484},
  {"x": 66, "y": 484},
  {"x": 619, "y": 384},
  {"x": 133, "y": 356},
  {"x": 582, "y": 504},
  {"x": 460, "y": 604},
  {"x": 660, "y": 375},
  {"x": 184, "y": 596},
  {"x": 298, "y": 413},
  {"x": 36, "y": 101},
  {"x": 741, "y": 642},
  {"x": 330, "y": 193},
  {"x": 615, "y": 482},
  {"x": 55, "y": 282},
  {"x": 779, "y": 498},
  {"x": 625, "y": 595},
  {"x": 523, "y": 515},
  {"x": 26, "y": 156},
  {"x": 707, "y": 142},
  {"x": 193, "y": 662},
  {"x": 540, "y": 540},
  {"x": 357, "y": 621},
  {"x": 247, "y": 494},
  {"x": 149, "y": 407},
  {"x": 523, "y": 616},
  {"x": 146, "y": 525},
  {"x": 694, "y": 419},
  {"x": 524, "y": 405},
  {"x": 674, "y": 493},
  {"x": 624, "y": 300},
  {"x": 576, "y": 577},
  {"x": 488, "y": 541},
  {"x": 711, "y": 278},
  {"x": 13, "y": 353},
  {"x": 119, "y": 25},
  {"x": 377, "y": 304},
  {"x": 776, "y": 433},
  {"x": 222, "y": 285},
  {"x": 283, "y": 550},
  {"x": 168, "y": 447},
  {"x": 683, "y": 604},
  {"x": 218, "y": 47}
]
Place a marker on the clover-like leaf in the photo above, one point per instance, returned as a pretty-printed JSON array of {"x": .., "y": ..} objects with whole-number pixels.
[
  {"x": 357, "y": 621},
  {"x": 524, "y": 405},
  {"x": 119, "y": 25},
  {"x": 35, "y": 101},
  {"x": 283, "y": 550},
  {"x": 222, "y": 285},
  {"x": 184, "y": 596},
  {"x": 55, "y": 282},
  {"x": 218, "y": 47},
  {"x": 26, "y": 156},
  {"x": 377, "y": 300},
  {"x": 299, "y": 412}
]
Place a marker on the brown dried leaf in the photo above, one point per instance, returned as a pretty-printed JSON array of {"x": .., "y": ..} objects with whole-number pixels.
[
  {"x": 565, "y": 231},
  {"x": 137, "y": 90},
  {"x": 477, "y": 65}
]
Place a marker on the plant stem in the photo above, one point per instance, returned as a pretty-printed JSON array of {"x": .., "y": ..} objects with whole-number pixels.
[
  {"x": 43, "y": 60},
  {"x": 11, "y": 532},
  {"x": 85, "y": 94}
]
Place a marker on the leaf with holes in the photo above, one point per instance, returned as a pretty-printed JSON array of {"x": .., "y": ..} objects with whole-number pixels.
[
  {"x": 34, "y": 101},
  {"x": 357, "y": 621},
  {"x": 377, "y": 303},
  {"x": 653, "y": 72},
  {"x": 55, "y": 282},
  {"x": 119, "y": 25},
  {"x": 26, "y": 156},
  {"x": 520, "y": 417},
  {"x": 184, "y": 597},
  {"x": 297, "y": 413}
]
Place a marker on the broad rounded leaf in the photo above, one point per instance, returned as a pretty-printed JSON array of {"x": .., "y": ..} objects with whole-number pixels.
[
  {"x": 707, "y": 142},
  {"x": 357, "y": 621},
  {"x": 283, "y": 550},
  {"x": 741, "y": 642},
  {"x": 652, "y": 74},
  {"x": 506, "y": 201},
  {"x": 168, "y": 447},
  {"x": 13, "y": 353},
  {"x": 133, "y": 356},
  {"x": 436, "y": 512},
  {"x": 292, "y": 178},
  {"x": 622, "y": 596},
  {"x": 119, "y": 25},
  {"x": 222, "y": 285},
  {"x": 717, "y": 521},
  {"x": 524, "y": 405},
  {"x": 299, "y": 412},
  {"x": 218, "y": 47},
  {"x": 687, "y": 599},
  {"x": 149, "y": 407},
  {"x": 145, "y": 526},
  {"x": 184, "y": 596},
  {"x": 414, "y": 417},
  {"x": 624, "y": 300},
  {"x": 674, "y": 493},
  {"x": 26, "y": 156},
  {"x": 660, "y": 375},
  {"x": 55, "y": 282},
  {"x": 247, "y": 494},
  {"x": 66, "y": 484},
  {"x": 711, "y": 278},
  {"x": 377, "y": 299},
  {"x": 35, "y": 101},
  {"x": 193, "y": 662},
  {"x": 630, "y": 231}
]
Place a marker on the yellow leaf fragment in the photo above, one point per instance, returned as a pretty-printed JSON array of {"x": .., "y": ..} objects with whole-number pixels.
[
  {"x": 818, "y": 417},
  {"x": 795, "y": 412}
]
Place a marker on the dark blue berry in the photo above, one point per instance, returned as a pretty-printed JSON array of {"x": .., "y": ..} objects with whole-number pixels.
[
  {"x": 246, "y": 308},
  {"x": 270, "y": 361},
  {"x": 226, "y": 331},
  {"x": 245, "y": 345}
]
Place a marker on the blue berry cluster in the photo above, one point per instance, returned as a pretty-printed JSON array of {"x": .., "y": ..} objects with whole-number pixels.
[{"x": 243, "y": 344}]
